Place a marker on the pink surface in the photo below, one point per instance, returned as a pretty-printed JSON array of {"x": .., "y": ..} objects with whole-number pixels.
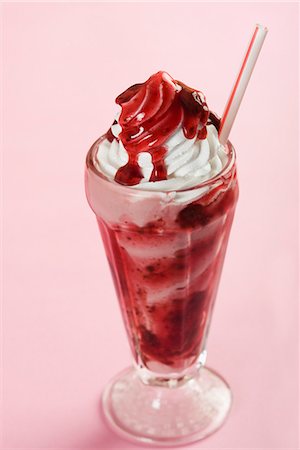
[{"x": 63, "y": 337}]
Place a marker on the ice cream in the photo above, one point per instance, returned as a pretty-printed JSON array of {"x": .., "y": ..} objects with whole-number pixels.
[
  {"x": 163, "y": 139},
  {"x": 164, "y": 192}
]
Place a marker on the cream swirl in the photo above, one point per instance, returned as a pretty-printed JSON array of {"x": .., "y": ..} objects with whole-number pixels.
[{"x": 188, "y": 161}]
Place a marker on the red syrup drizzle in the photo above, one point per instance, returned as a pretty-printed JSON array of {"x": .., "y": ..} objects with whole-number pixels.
[
  {"x": 151, "y": 112},
  {"x": 214, "y": 120},
  {"x": 109, "y": 136}
]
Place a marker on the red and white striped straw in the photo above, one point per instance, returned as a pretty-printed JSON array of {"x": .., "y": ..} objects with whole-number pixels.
[{"x": 241, "y": 83}]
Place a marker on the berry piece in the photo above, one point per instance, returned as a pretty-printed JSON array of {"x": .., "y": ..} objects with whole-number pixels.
[{"x": 192, "y": 216}]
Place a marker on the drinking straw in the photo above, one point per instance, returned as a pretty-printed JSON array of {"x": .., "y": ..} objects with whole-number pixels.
[{"x": 241, "y": 83}]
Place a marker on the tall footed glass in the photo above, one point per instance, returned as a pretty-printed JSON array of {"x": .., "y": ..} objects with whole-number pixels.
[{"x": 166, "y": 252}]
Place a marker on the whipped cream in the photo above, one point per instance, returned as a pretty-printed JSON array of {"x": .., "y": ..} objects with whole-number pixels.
[{"x": 189, "y": 162}]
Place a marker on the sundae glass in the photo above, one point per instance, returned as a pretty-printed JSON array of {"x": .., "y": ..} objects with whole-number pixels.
[{"x": 162, "y": 183}]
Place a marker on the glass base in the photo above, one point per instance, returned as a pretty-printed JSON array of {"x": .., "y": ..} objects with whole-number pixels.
[{"x": 166, "y": 416}]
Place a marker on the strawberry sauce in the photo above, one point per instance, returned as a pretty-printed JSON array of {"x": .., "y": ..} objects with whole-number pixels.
[{"x": 151, "y": 113}]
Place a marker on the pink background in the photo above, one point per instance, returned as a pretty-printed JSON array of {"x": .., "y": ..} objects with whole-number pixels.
[{"x": 63, "y": 338}]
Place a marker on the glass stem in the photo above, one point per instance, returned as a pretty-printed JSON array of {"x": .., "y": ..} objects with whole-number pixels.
[{"x": 171, "y": 379}]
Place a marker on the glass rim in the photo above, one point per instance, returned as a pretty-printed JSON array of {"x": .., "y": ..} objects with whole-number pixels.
[{"x": 92, "y": 164}]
